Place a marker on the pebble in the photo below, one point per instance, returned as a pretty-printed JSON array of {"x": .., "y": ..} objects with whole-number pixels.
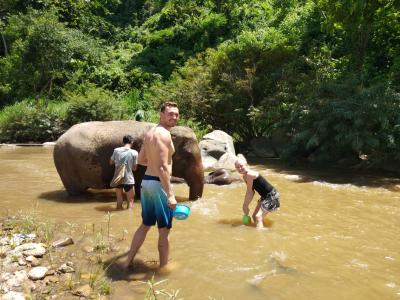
[
  {"x": 88, "y": 249},
  {"x": 37, "y": 252},
  {"x": 3, "y": 251},
  {"x": 32, "y": 260},
  {"x": 37, "y": 273},
  {"x": 53, "y": 279},
  {"x": 65, "y": 268},
  {"x": 22, "y": 262}
]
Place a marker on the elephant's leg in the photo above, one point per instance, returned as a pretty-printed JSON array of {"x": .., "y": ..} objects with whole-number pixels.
[{"x": 74, "y": 187}]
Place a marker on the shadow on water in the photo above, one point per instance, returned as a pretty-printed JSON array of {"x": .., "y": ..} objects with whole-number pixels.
[
  {"x": 140, "y": 270},
  {"x": 335, "y": 175},
  {"x": 91, "y": 196},
  {"x": 88, "y": 196}
]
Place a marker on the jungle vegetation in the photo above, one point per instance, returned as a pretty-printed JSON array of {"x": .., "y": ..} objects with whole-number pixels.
[{"x": 323, "y": 74}]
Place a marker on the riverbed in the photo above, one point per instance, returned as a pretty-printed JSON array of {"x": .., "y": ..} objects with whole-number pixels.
[{"x": 336, "y": 235}]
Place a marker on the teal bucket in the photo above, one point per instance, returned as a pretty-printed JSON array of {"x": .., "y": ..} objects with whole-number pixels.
[{"x": 181, "y": 212}]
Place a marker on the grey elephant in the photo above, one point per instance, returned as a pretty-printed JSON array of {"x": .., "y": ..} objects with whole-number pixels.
[{"x": 81, "y": 155}]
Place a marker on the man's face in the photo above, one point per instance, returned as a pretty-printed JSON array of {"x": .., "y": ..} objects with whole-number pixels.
[{"x": 169, "y": 117}]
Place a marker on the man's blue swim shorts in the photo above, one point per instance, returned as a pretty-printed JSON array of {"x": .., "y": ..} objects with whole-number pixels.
[{"x": 155, "y": 203}]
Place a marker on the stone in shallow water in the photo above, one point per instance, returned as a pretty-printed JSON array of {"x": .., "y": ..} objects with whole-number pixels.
[
  {"x": 63, "y": 242},
  {"x": 37, "y": 273}
]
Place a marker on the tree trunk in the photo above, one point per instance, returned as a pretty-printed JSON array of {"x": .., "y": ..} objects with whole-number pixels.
[{"x": 4, "y": 44}]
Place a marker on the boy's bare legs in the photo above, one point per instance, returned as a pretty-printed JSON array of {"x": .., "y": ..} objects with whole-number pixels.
[
  {"x": 120, "y": 199},
  {"x": 130, "y": 197},
  {"x": 163, "y": 246},
  {"x": 137, "y": 241},
  {"x": 258, "y": 216}
]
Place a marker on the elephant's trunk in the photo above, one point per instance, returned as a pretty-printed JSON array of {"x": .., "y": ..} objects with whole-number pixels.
[{"x": 196, "y": 183}]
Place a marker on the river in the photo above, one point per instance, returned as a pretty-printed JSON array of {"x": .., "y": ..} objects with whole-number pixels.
[{"x": 336, "y": 235}]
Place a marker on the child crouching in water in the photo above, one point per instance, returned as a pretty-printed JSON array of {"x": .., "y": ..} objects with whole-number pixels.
[{"x": 269, "y": 200}]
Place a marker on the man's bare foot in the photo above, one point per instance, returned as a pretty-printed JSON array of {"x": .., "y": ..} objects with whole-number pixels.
[
  {"x": 130, "y": 206},
  {"x": 127, "y": 265},
  {"x": 167, "y": 269}
]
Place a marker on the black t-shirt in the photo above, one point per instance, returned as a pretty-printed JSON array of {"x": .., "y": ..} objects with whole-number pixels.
[{"x": 262, "y": 186}]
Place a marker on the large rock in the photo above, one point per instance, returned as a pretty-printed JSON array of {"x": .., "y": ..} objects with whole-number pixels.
[
  {"x": 213, "y": 147},
  {"x": 226, "y": 161},
  {"x": 82, "y": 155}
]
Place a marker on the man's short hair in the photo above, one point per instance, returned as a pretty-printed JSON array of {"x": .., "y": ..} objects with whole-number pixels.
[
  {"x": 127, "y": 139},
  {"x": 167, "y": 104}
]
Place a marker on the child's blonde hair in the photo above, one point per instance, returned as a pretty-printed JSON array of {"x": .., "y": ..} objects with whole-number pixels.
[{"x": 241, "y": 159}]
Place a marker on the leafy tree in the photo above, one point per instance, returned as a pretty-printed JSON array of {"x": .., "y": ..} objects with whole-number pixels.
[{"x": 43, "y": 53}]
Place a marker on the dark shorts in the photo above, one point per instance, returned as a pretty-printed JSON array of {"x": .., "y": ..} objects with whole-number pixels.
[
  {"x": 271, "y": 201},
  {"x": 154, "y": 201},
  {"x": 125, "y": 187}
]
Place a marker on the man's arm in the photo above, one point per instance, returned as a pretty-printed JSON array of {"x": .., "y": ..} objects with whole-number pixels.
[
  {"x": 142, "y": 157},
  {"x": 163, "y": 147},
  {"x": 112, "y": 158},
  {"x": 249, "y": 195}
]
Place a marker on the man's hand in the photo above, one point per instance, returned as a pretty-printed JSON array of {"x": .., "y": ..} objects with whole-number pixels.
[
  {"x": 172, "y": 202},
  {"x": 246, "y": 209}
]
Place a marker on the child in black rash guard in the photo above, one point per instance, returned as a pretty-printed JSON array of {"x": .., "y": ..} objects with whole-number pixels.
[{"x": 269, "y": 200}]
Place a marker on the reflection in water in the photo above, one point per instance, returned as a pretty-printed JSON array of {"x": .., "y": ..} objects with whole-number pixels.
[{"x": 334, "y": 237}]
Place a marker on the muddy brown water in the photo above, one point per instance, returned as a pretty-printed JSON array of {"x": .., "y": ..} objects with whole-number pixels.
[{"x": 336, "y": 236}]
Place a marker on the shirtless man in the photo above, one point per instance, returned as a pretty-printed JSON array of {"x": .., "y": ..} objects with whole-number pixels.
[{"x": 157, "y": 198}]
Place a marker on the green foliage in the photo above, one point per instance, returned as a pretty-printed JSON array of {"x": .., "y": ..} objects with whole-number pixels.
[
  {"x": 366, "y": 123},
  {"x": 95, "y": 104},
  {"x": 324, "y": 73},
  {"x": 43, "y": 54},
  {"x": 29, "y": 121}
]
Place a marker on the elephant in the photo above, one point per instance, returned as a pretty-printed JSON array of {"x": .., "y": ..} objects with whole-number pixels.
[
  {"x": 221, "y": 177},
  {"x": 81, "y": 155}
]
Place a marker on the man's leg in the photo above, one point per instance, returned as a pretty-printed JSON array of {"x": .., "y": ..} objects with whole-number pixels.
[
  {"x": 163, "y": 245},
  {"x": 129, "y": 197},
  {"x": 120, "y": 200},
  {"x": 137, "y": 241}
]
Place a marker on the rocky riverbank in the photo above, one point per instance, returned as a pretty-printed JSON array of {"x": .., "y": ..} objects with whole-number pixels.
[{"x": 34, "y": 266}]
